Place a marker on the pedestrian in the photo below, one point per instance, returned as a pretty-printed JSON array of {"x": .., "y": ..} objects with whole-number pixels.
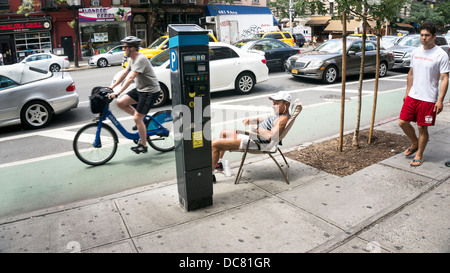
[
  {"x": 137, "y": 102},
  {"x": 423, "y": 99},
  {"x": 268, "y": 128},
  {"x": 314, "y": 42}
]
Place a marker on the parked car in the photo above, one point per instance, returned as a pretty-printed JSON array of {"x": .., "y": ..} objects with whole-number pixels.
[
  {"x": 47, "y": 61},
  {"x": 299, "y": 39},
  {"x": 279, "y": 35},
  {"x": 31, "y": 96},
  {"x": 325, "y": 61},
  {"x": 230, "y": 68},
  {"x": 389, "y": 41},
  {"x": 112, "y": 57},
  {"x": 162, "y": 43},
  {"x": 370, "y": 37},
  {"x": 158, "y": 46},
  {"x": 402, "y": 51},
  {"x": 276, "y": 51}
]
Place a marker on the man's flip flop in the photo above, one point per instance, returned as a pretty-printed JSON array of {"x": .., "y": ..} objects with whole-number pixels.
[
  {"x": 416, "y": 161},
  {"x": 411, "y": 151}
]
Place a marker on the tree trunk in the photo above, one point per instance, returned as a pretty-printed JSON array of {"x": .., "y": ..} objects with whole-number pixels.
[
  {"x": 355, "y": 139},
  {"x": 375, "y": 92},
  {"x": 343, "y": 78}
]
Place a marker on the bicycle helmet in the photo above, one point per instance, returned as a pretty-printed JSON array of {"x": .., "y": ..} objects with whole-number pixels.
[{"x": 132, "y": 41}]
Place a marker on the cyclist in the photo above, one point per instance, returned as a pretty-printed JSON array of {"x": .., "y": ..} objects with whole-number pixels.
[{"x": 138, "y": 101}]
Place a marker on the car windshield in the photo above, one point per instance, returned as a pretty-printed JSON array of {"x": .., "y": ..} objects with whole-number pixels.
[
  {"x": 244, "y": 45},
  {"x": 23, "y": 73},
  {"x": 258, "y": 36},
  {"x": 161, "y": 58},
  {"x": 332, "y": 46},
  {"x": 156, "y": 44},
  {"x": 410, "y": 41}
]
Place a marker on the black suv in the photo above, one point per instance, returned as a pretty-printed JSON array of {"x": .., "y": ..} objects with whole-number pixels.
[{"x": 299, "y": 39}]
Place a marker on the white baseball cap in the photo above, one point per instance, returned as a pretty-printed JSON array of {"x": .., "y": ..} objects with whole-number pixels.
[{"x": 281, "y": 95}]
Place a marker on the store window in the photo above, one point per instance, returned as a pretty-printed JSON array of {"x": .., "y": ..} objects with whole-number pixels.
[
  {"x": 31, "y": 43},
  {"x": 140, "y": 28},
  {"x": 97, "y": 38}
]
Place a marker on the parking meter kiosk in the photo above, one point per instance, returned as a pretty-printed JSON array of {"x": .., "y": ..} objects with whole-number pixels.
[{"x": 189, "y": 64}]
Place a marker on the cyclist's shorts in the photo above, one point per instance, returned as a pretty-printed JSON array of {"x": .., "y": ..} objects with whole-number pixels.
[{"x": 145, "y": 100}]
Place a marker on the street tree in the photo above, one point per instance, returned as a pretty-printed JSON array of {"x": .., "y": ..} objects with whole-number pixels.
[{"x": 421, "y": 12}]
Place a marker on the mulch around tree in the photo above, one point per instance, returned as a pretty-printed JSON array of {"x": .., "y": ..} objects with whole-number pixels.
[{"x": 326, "y": 156}]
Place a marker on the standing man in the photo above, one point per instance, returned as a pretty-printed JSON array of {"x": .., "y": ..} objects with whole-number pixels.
[
  {"x": 138, "y": 101},
  {"x": 423, "y": 99}
]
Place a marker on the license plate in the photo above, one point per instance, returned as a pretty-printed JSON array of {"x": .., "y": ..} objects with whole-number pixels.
[{"x": 294, "y": 71}]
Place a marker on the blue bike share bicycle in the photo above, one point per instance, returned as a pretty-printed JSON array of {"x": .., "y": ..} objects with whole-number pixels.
[{"x": 96, "y": 143}]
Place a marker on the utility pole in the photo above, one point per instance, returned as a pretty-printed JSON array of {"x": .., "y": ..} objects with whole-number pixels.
[{"x": 291, "y": 11}]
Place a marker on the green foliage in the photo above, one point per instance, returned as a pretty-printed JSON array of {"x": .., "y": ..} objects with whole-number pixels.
[{"x": 421, "y": 12}]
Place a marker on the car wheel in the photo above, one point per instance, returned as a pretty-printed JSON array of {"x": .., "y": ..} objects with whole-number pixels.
[
  {"x": 163, "y": 96},
  {"x": 330, "y": 74},
  {"x": 36, "y": 114},
  {"x": 244, "y": 84},
  {"x": 102, "y": 63},
  {"x": 283, "y": 64},
  {"x": 383, "y": 69},
  {"x": 55, "y": 68}
]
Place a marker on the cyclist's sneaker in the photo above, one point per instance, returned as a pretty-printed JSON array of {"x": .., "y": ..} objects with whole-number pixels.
[
  {"x": 219, "y": 167},
  {"x": 139, "y": 149}
]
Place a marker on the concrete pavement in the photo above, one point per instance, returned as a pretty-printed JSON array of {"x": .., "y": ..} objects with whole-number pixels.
[{"x": 387, "y": 207}]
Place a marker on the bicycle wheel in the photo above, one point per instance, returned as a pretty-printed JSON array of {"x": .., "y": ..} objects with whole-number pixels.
[
  {"x": 163, "y": 143},
  {"x": 83, "y": 144}
]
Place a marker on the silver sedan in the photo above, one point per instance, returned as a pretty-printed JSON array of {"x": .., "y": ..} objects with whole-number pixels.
[
  {"x": 325, "y": 61},
  {"x": 31, "y": 96}
]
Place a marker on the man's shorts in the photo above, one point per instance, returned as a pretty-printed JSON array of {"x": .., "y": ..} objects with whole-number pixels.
[
  {"x": 252, "y": 146},
  {"x": 418, "y": 111},
  {"x": 144, "y": 100}
]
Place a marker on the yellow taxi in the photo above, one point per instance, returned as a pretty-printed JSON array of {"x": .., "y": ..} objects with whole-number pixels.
[
  {"x": 159, "y": 45},
  {"x": 280, "y": 35}
]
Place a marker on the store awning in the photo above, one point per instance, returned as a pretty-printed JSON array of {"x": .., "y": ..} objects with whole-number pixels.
[
  {"x": 401, "y": 25},
  {"x": 318, "y": 21},
  {"x": 335, "y": 26},
  {"x": 213, "y": 10}
]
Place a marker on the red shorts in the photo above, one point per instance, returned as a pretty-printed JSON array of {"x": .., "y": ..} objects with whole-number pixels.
[{"x": 418, "y": 111}]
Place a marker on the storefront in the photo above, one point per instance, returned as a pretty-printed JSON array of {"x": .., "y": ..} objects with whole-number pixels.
[
  {"x": 102, "y": 28},
  {"x": 21, "y": 38}
]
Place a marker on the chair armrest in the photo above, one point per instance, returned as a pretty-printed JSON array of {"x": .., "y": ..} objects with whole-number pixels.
[{"x": 253, "y": 135}]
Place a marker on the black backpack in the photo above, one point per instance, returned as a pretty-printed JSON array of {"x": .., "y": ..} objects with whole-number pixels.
[{"x": 99, "y": 99}]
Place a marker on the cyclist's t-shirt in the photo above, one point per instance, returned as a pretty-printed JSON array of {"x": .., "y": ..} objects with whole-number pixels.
[{"x": 146, "y": 80}]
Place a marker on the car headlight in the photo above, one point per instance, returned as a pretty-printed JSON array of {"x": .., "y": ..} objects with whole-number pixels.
[
  {"x": 314, "y": 64},
  {"x": 407, "y": 55}
]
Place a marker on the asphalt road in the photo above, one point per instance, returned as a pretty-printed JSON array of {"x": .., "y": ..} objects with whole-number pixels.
[{"x": 38, "y": 168}]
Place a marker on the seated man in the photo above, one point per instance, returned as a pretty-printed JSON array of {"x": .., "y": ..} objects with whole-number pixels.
[{"x": 268, "y": 129}]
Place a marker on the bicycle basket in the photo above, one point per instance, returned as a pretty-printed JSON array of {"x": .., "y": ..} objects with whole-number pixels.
[
  {"x": 99, "y": 99},
  {"x": 161, "y": 117}
]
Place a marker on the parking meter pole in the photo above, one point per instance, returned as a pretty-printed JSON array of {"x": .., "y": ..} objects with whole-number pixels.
[{"x": 189, "y": 64}]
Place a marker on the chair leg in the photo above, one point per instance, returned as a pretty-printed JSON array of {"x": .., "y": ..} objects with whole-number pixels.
[
  {"x": 287, "y": 164},
  {"x": 239, "y": 173},
  {"x": 281, "y": 169}
]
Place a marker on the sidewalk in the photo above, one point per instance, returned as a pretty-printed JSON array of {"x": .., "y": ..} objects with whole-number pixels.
[{"x": 387, "y": 207}]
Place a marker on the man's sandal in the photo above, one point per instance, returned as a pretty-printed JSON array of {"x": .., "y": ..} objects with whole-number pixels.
[
  {"x": 410, "y": 151},
  {"x": 416, "y": 161}
]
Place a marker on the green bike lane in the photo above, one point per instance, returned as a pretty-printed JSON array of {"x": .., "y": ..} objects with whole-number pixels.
[{"x": 60, "y": 180}]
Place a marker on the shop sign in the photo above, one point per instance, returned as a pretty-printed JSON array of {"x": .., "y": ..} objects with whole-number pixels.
[
  {"x": 109, "y": 14},
  {"x": 24, "y": 26}
]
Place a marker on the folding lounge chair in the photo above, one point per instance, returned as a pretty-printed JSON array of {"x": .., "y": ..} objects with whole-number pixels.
[{"x": 270, "y": 148}]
